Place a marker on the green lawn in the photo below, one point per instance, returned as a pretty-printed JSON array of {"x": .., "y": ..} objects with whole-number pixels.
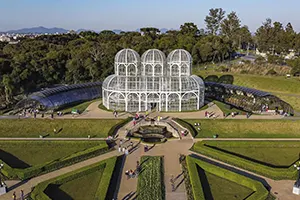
[
  {"x": 225, "y": 108},
  {"x": 83, "y": 188},
  {"x": 65, "y": 127},
  {"x": 39, "y": 152},
  {"x": 151, "y": 180},
  {"x": 87, "y": 183},
  {"x": 224, "y": 189},
  {"x": 243, "y": 128},
  {"x": 277, "y": 153},
  {"x": 209, "y": 181},
  {"x": 81, "y": 107},
  {"x": 276, "y": 164}
]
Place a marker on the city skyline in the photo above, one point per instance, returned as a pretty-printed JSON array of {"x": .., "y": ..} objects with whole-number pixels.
[{"x": 134, "y": 14}]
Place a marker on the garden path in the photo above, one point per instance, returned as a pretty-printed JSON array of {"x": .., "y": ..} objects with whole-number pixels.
[
  {"x": 27, "y": 186},
  {"x": 171, "y": 151},
  {"x": 281, "y": 189}
]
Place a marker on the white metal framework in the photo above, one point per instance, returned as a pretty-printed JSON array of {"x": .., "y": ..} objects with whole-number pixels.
[{"x": 153, "y": 81}]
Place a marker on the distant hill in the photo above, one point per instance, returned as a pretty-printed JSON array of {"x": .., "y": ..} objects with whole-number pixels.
[
  {"x": 38, "y": 30},
  {"x": 163, "y": 30}
]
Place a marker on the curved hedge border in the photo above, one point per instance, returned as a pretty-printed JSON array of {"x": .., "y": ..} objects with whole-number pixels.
[
  {"x": 36, "y": 170},
  {"x": 260, "y": 192},
  {"x": 108, "y": 166},
  {"x": 270, "y": 172},
  {"x": 187, "y": 125},
  {"x": 116, "y": 127}
]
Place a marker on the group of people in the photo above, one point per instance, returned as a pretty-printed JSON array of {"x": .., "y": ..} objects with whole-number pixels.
[
  {"x": 133, "y": 173},
  {"x": 14, "y": 197},
  {"x": 123, "y": 149},
  {"x": 209, "y": 115}
]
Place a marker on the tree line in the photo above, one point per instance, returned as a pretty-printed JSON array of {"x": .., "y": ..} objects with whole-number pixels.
[{"x": 33, "y": 64}]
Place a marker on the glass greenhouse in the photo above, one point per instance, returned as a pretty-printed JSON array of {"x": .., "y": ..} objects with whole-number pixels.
[
  {"x": 153, "y": 81},
  {"x": 55, "y": 98},
  {"x": 247, "y": 99}
]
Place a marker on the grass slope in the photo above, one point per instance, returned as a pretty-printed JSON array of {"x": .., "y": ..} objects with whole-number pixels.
[
  {"x": 81, "y": 107},
  {"x": 68, "y": 127},
  {"x": 150, "y": 180},
  {"x": 247, "y": 128},
  {"x": 38, "y": 152},
  {"x": 224, "y": 189}
]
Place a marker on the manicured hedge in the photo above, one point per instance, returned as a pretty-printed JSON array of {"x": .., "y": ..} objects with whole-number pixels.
[
  {"x": 273, "y": 173},
  {"x": 195, "y": 180},
  {"x": 187, "y": 125},
  {"x": 260, "y": 192},
  {"x": 108, "y": 166},
  {"x": 30, "y": 172},
  {"x": 116, "y": 127}
]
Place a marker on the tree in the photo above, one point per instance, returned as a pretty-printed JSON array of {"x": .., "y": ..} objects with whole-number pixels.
[
  {"x": 8, "y": 87},
  {"x": 189, "y": 29},
  {"x": 230, "y": 28},
  {"x": 213, "y": 20}
]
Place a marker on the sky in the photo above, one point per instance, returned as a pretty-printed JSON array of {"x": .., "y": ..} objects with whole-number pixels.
[{"x": 133, "y": 14}]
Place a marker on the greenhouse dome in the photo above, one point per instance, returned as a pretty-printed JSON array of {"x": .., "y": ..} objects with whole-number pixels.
[{"x": 153, "y": 82}]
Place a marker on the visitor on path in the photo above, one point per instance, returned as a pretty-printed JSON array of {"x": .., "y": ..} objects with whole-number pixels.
[
  {"x": 127, "y": 174},
  {"x": 137, "y": 166},
  {"x": 123, "y": 149},
  {"x": 131, "y": 144},
  {"x": 147, "y": 113},
  {"x": 14, "y": 196},
  {"x": 172, "y": 183},
  {"x": 131, "y": 174},
  {"x": 89, "y": 137},
  {"x": 146, "y": 148},
  {"x": 126, "y": 151},
  {"x": 121, "y": 142},
  {"x": 22, "y": 195},
  {"x": 119, "y": 149}
]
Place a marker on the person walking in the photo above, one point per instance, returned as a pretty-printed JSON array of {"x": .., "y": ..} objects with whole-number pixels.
[
  {"x": 14, "y": 197},
  {"x": 126, "y": 151},
  {"x": 119, "y": 149},
  {"x": 22, "y": 195},
  {"x": 121, "y": 142},
  {"x": 123, "y": 149}
]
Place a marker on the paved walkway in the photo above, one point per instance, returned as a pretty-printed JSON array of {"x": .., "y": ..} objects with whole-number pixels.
[
  {"x": 281, "y": 189},
  {"x": 248, "y": 139},
  {"x": 27, "y": 186}
]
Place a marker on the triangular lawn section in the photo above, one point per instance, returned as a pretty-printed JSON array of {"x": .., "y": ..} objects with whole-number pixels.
[
  {"x": 224, "y": 189},
  {"x": 81, "y": 188},
  {"x": 90, "y": 182},
  {"x": 212, "y": 182}
]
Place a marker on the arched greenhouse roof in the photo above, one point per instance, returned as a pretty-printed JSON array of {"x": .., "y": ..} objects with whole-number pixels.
[{"x": 54, "y": 98}]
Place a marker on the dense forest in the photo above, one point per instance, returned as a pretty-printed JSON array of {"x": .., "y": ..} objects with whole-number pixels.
[{"x": 74, "y": 58}]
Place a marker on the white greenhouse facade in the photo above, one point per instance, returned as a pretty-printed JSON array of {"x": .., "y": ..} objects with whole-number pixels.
[{"x": 153, "y": 82}]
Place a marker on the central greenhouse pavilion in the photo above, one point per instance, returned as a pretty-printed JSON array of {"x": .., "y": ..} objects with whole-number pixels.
[{"x": 153, "y": 82}]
